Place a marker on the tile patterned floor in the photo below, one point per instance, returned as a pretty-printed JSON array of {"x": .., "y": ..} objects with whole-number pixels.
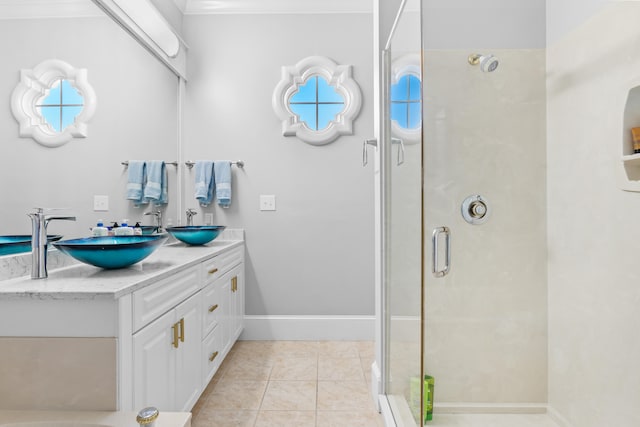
[{"x": 291, "y": 383}]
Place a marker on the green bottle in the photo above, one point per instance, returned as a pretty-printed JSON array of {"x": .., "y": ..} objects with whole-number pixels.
[{"x": 429, "y": 384}]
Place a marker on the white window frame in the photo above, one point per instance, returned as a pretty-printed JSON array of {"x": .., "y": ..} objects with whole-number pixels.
[
  {"x": 338, "y": 76},
  {"x": 33, "y": 85}
]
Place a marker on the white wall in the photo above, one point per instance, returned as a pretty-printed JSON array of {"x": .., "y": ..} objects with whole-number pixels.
[
  {"x": 135, "y": 118},
  {"x": 593, "y": 229},
  {"x": 314, "y": 254}
]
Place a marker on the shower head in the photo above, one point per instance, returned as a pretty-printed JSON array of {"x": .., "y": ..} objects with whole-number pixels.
[{"x": 488, "y": 63}]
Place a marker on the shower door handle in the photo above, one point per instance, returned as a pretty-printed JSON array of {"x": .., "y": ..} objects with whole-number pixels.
[
  {"x": 365, "y": 157},
  {"x": 435, "y": 238},
  {"x": 400, "y": 143}
]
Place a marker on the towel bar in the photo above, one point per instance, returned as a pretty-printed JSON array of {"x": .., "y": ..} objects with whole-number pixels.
[
  {"x": 238, "y": 163},
  {"x": 126, "y": 163}
]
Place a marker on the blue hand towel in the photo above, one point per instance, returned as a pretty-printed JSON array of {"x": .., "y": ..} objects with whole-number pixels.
[
  {"x": 222, "y": 172},
  {"x": 156, "y": 188},
  {"x": 204, "y": 182},
  {"x": 136, "y": 176}
]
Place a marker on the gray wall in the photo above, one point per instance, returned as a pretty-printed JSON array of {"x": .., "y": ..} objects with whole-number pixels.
[
  {"x": 565, "y": 15},
  {"x": 493, "y": 24},
  {"x": 135, "y": 118},
  {"x": 314, "y": 254}
]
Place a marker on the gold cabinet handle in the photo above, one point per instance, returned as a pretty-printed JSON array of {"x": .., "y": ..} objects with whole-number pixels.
[
  {"x": 213, "y": 356},
  {"x": 181, "y": 322},
  {"x": 213, "y": 270},
  {"x": 234, "y": 283},
  {"x": 213, "y": 308},
  {"x": 176, "y": 338}
]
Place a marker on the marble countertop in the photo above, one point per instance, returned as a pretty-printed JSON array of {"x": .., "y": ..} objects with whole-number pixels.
[
  {"x": 82, "y": 281},
  {"x": 88, "y": 418}
]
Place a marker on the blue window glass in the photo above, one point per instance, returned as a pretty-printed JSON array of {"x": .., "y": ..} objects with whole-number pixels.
[
  {"x": 405, "y": 102},
  {"x": 316, "y": 103},
  {"x": 61, "y": 105}
]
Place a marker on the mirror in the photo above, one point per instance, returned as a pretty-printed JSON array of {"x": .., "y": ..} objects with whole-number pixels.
[{"x": 136, "y": 119}]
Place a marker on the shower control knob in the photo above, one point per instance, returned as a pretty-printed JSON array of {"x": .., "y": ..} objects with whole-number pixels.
[
  {"x": 478, "y": 209},
  {"x": 475, "y": 209}
]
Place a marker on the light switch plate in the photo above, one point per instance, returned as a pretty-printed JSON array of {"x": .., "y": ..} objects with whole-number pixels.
[
  {"x": 208, "y": 219},
  {"x": 100, "y": 203},
  {"x": 267, "y": 202}
]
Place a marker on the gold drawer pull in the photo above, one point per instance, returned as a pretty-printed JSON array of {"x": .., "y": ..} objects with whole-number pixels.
[
  {"x": 176, "y": 337},
  {"x": 234, "y": 283},
  {"x": 213, "y": 270},
  {"x": 213, "y": 356},
  {"x": 213, "y": 308},
  {"x": 181, "y": 329}
]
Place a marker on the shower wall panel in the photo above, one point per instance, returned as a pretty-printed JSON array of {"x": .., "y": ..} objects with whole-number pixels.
[
  {"x": 594, "y": 346},
  {"x": 486, "y": 322}
]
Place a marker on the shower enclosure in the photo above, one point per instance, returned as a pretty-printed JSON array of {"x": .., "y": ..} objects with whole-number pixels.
[{"x": 463, "y": 221}]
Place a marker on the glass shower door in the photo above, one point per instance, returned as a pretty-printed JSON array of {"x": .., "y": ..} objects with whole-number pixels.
[{"x": 401, "y": 167}]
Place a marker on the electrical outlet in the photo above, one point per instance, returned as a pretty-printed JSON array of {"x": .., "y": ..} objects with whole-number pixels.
[
  {"x": 208, "y": 219},
  {"x": 267, "y": 202},
  {"x": 100, "y": 203}
]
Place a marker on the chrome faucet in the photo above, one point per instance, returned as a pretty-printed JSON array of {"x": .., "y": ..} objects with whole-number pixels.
[
  {"x": 158, "y": 215},
  {"x": 39, "y": 222},
  {"x": 190, "y": 213}
]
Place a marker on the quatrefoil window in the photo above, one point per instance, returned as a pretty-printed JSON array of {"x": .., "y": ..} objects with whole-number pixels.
[
  {"x": 317, "y": 100},
  {"x": 53, "y": 103}
]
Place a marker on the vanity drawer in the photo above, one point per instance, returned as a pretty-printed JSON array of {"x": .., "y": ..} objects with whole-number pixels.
[
  {"x": 211, "y": 355},
  {"x": 220, "y": 264},
  {"x": 153, "y": 301},
  {"x": 211, "y": 308}
]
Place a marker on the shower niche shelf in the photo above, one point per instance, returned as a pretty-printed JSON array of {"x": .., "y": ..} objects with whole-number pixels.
[{"x": 629, "y": 175}]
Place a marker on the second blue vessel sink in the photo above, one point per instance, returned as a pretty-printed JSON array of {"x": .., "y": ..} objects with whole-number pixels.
[
  {"x": 196, "y": 234},
  {"x": 111, "y": 251},
  {"x": 10, "y": 245}
]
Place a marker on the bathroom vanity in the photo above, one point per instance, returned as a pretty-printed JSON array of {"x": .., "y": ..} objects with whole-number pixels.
[{"x": 153, "y": 334}]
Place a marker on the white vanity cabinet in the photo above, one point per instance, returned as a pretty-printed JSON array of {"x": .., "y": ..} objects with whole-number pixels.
[
  {"x": 176, "y": 354},
  {"x": 160, "y": 330}
]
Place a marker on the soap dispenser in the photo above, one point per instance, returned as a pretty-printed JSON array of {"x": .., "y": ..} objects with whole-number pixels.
[
  {"x": 100, "y": 229},
  {"x": 124, "y": 229}
]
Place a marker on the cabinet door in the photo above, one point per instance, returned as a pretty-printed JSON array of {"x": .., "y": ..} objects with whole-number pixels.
[
  {"x": 154, "y": 364},
  {"x": 225, "y": 320},
  {"x": 236, "y": 302},
  {"x": 188, "y": 356}
]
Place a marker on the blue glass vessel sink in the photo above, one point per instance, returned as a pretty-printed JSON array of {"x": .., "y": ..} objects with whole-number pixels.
[
  {"x": 196, "y": 234},
  {"x": 111, "y": 251},
  {"x": 18, "y": 244}
]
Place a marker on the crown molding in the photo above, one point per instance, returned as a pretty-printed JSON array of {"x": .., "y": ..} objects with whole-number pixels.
[
  {"x": 35, "y": 9},
  {"x": 199, "y": 7}
]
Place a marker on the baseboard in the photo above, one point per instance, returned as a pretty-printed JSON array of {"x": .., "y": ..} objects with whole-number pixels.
[
  {"x": 559, "y": 419},
  {"x": 490, "y": 408},
  {"x": 309, "y": 328}
]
